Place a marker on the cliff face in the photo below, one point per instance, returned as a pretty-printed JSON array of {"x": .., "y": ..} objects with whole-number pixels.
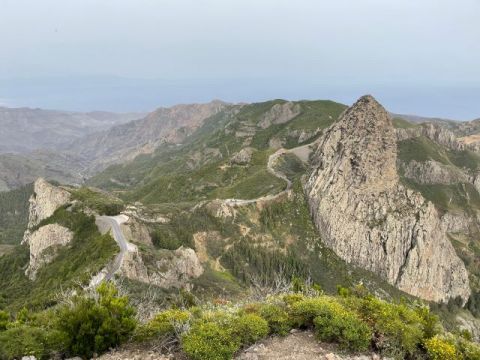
[
  {"x": 45, "y": 200},
  {"x": 44, "y": 241},
  {"x": 44, "y": 244},
  {"x": 369, "y": 219}
]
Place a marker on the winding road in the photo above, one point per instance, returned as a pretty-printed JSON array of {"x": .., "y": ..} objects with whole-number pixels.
[
  {"x": 105, "y": 224},
  {"x": 302, "y": 152}
]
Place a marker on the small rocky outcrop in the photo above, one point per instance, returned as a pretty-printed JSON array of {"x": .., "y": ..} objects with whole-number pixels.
[
  {"x": 280, "y": 114},
  {"x": 369, "y": 219},
  {"x": 44, "y": 244},
  {"x": 243, "y": 157},
  {"x": 433, "y": 172},
  {"x": 45, "y": 200},
  {"x": 134, "y": 230},
  {"x": 175, "y": 269},
  {"x": 434, "y": 132}
]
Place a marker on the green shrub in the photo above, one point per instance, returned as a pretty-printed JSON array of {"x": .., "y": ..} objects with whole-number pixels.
[
  {"x": 469, "y": 350},
  {"x": 441, "y": 349},
  {"x": 335, "y": 324},
  {"x": 24, "y": 340},
  {"x": 399, "y": 329},
  {"x": 277, "y": 319},
  {"x": 94, "y": 326},
  {"x": 303, "y": 312},
  {"x": 4, "y": 320},
  {"x": 162, "y": 325},
  {"x": 210, "y": 341},
  {"x": 291, "y": 299},
  {"x": 250, "y": 328}
]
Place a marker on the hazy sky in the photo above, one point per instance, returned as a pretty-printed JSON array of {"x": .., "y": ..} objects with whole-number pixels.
[{"x": 416, "y": 56}]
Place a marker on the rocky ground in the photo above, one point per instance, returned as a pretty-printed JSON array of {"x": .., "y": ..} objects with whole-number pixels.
[{"x": 296, "y": 346}]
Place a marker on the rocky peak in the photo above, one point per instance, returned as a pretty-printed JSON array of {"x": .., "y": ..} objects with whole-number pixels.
[
  {"x": 360, "y": 150},
  {"x": 369, "y": 219},
  {"x": 45, "y": 200}
]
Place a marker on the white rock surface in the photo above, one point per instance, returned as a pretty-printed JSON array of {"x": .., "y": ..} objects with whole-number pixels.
[{"x": 45, "y": 200}]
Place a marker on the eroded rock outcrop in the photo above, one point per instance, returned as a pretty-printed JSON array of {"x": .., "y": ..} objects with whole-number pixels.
[
  {"x": 243, "y": 157},
  {"x": 44, "y": 244},
  {"x": 280, "y": 114},
  {"x": 369, "y": 219},
  {"x": 45, "y": 241},
  {"x": 175, "y": 269},
  {"x": 434, "y": 132},
  {"x": 45, "y": 200},
  {"x": 433, "y": 172}
]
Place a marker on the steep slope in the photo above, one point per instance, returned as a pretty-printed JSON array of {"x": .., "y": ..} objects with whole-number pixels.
[
  {"x": 17, "y": 170},
  {"x": 25, "y": 129},
  {"x": 124, "y": 142},
  {"x": 370, "y": 219}
]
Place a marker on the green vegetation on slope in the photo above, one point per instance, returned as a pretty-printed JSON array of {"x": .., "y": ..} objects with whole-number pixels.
[
  {"x": 422, "y": 149},
  {"x": 87, "y": 254},
  {"x": 354, "y": 320},
  {"x": 200, "y": 168},
  {"x": 100, "y": 201},
  {"x": 14, "y": 214}
]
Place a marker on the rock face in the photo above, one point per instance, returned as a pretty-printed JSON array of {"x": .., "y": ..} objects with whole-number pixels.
[
  {"x": 369, "y": 219},
  {"x": 433, "y": 172},
  {"x": 243, "y": 157},
  {"x": 45, "y": 200},
  {"x": 175, "y": 269},
  {"x": 44, "y": 244},
  {"x": 434, "y": 132},
  {"x": 279, "y": 114}
]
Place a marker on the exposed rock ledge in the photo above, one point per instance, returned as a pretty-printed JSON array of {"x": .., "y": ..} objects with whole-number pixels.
[
  {"x": 175, "y": 269},
  {"x": 369, "y": 219},
  {"x": 45, "y": 200},
  {"x": 44, "y": 244},
  {"x": 433, "y": 172}
]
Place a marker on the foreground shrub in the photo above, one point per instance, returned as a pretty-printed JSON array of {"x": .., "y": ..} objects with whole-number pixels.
[
  {"x": 335, "y": 325},
  {"x": 250, "y": 328},
  {"x": 163, "y": 324},
  {"x": 277, "y": 319},
  {"x": 210, "y": 341},
  {"x": 441, "y": 349},
  {"x": 399, "y": 329},
  {"x": 96, "y": 325},
  {"x": 303, "y": 312},
  {"x": 4, "y": 320},
  {"x": 24, "y": 340}
]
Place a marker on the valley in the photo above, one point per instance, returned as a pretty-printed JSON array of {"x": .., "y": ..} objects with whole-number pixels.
[{"x": 221, "y": 203}]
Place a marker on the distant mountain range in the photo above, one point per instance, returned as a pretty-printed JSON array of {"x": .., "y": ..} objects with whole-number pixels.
[{"x": 23, "y": 129}]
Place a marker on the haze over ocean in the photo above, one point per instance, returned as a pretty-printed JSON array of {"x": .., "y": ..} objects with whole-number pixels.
[{"x": 417, "y": 57}]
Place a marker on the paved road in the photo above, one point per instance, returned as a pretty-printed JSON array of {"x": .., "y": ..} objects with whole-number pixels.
[{"x": 113, "y": 223}]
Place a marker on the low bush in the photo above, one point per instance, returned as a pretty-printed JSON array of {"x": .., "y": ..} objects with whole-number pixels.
[
  {"x": 335, "y": 324},
  {"x": 304, "y": 312},
  {"x": 441, "y": 349},
  {"x": 399, "y": 329},
  {"x": 93, "y": 325},
  {"x": 25, "y": 340},
  {"x": 250, "y": 328},
  {"x": 162, "y": 325},
  {"x": 208, "y": 340},
  {"x": 277, "y": 318}
]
